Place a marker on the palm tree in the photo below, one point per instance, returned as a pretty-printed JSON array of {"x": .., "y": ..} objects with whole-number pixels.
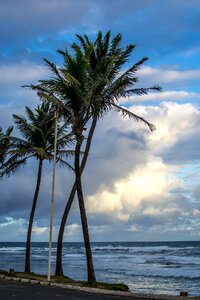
[
  {"x": 88, "y": 86},
  {"x": 70, "y": 91},
  {"x": 59, "y": 268},
  {"x": 106, "y": 60},
  {"x": 37, "y": 141}
]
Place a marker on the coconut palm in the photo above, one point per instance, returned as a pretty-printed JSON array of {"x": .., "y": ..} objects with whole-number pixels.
[
  {"x": 37, "y": 131},
  {"x": 70, "y": 91},
  {"x": 106, "y": 61},
  {"x": 59, "y": 268},
  {"x": 88, "y": 86}
]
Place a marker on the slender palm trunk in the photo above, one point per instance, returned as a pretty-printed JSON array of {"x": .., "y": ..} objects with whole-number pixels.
[
  {"x": 59, "y": 269},
  {"x": 52, "y": 196},
  {"x": 90, "y": 266},
  {"x": 30, "y": 225}
]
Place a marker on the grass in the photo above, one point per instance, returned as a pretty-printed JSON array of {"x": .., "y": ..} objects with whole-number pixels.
[
  {"x": 109, "y": 286},
  {"x": 67, "y": 280}
]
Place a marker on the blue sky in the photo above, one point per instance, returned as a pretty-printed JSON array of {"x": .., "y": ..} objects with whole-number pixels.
[{"x": 138, "y": 185}]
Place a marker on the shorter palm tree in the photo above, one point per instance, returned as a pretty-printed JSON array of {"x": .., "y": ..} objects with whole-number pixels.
[{"x": 37, "y": 141}]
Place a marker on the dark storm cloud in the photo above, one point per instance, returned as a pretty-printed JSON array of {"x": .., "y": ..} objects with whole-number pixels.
[{"x": 137, "y": 141}]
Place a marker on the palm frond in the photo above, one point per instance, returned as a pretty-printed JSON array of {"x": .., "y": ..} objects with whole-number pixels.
[
  {"x": 64, "y": 163},
  {"x": 131, "y": 115},
  {"x": 8, "y": 131},
  {"x": 12, "y": 167},
  {"x": 142, "y": 91}
]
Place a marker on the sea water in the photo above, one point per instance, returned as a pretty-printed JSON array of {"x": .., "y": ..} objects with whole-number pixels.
[{"x": 146, "y": 267}]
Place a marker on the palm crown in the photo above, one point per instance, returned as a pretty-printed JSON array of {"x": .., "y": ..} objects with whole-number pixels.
[
  {"x": 91, "y": 82},
  {"x": 37, "y": 136}
]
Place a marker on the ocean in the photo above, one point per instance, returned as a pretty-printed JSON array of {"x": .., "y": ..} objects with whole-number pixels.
[{"x": 146, "y": 267}]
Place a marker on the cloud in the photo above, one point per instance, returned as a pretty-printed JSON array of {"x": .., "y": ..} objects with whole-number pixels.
[
  {"x": 169, "y": 96},
  {"x": 129, "y": 180},
  {"x": 73, "y": 230},
  {"x": 25, "y": 14},
  {"x": 178, "y": 128},
  {"x": 22, "y": 72},
  {"x": 164, "y": 75},
  {"x": 151, "y": 182},
  {"x": 174, "y": 122},
  {"x": 177, "y": 85},
  {"x": 12, "y": 229},
  {"x": 39, "y": 230},
  {"x": 10, "y": 221},
  {"x": 14, "y": 76},
  {"x": 122, "y": 151},
  {"x": 148, "y": 196},
  {"x": 28, "y": 31},
  {"x": 13, "y": 97},
  {"x": 171, "y": 79}
]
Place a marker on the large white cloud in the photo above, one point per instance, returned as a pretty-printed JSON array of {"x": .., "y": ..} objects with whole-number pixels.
[
  {"x": 151, "y": 182},
  {"x": 149, "y": 194},
  {"x": 173, "y": 122}
]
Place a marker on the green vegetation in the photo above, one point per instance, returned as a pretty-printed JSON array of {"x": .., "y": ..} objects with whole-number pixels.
[{"x": 67, "y": 280}]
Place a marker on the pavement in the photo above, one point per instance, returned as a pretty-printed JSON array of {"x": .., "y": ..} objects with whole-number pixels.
[
  {"x": 11, "y": 288},
  {"x": 23, "y": 291}
]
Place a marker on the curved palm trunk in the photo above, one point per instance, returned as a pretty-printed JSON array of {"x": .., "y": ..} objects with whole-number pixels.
[
  {"x": 30, "y": 225},
  {"x": 90, "y": 266},
  {"x": 59, "y": 268}
]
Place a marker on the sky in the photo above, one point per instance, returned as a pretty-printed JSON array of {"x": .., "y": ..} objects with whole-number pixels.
[{"x": 138, "y": 185}]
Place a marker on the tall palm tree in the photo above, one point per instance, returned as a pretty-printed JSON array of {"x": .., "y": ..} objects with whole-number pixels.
[
  {"x": 59, "y": 268},
  {"x": 37, "y": 131},
  {"x": 70, "y": 91},
  {"x": 106, "y": 60},
  {"x": 88, "y": 86}
]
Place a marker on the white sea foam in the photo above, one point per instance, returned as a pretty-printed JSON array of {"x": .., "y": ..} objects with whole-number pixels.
[
  {"x": 132, "y": 249},
  {"x": 47, "y": 249},
  {"x": 12, "y": 249}
]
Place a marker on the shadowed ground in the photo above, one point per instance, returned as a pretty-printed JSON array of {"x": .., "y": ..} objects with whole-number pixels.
[{"x": 20, "y": 291}]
